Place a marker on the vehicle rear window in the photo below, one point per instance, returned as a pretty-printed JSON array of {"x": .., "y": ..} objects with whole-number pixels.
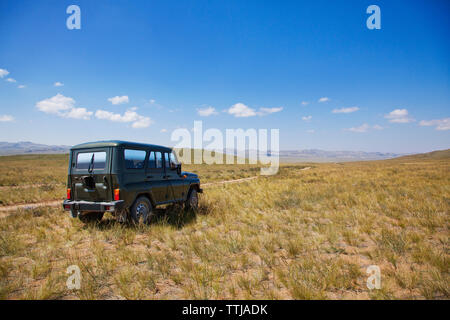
[
  {"x": 134, "y": 159},
  {"x": 98, "y": 160}
]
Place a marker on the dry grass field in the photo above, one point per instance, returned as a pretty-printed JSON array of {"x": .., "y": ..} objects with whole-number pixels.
[{"x": 301, "y": 234}]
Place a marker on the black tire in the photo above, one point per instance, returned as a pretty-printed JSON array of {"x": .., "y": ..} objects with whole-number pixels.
[
  {"x": 91, "y": 217},
  {"x": 142, "y": 211},
  {"x": 192, "y": 200}
]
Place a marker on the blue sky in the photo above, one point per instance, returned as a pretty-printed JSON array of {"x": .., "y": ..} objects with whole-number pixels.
[{"x": 232, "y": 64}]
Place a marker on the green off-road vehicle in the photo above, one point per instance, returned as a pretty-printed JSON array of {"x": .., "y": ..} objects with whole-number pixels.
[{"x": 127, "y": 179}]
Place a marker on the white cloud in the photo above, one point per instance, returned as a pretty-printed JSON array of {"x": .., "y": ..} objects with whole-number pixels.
[
  {"x": 11, "y": 80},
  {"x": 324, "y": 99},
  {"x": 307, "y": 118},
  {"x": 3, "y": 73},
  {"x": 240, "y": 110},
  {"x": 362, "y": 128},
  {"x": 5, "y": 117},
  {"x": 143, "y": 122},
  {"x": 305, "y": 103},
  {"x": 119, "y": 100},
  {"x": 128, "y": 116},
  {"x": 206, "y": 112},
  {"x": 440, "y": 124},
  {"x": 58, "y": 84},
  {"x": 266, "y": 111},
  {"x": 345, "y": 110},
  {"x": 21, "y": 86},
  {"x": 79, "y": 113},
  {"x": 63, "y": 107},
  {"x": 152, "y": 101},
  {"x": 138, "y": 121},
  {"x": 163, "y": 130},
  {"x": 58, "y": 104},
  {"x": 311, "y": 131},
  {"x": 399, "y": 116}
]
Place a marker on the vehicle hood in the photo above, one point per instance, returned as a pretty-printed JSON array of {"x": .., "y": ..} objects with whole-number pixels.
[{"x": 190, "y": 175}]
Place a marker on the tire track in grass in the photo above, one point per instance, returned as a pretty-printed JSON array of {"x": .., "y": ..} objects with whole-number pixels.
[
  {"x": 29, "y": 206},
  {"x": 24, "y": 186},
  {"x": 5, "y": 211},
  {"x": 55, "y": 203},
  {"x": 211, "y": 184}
]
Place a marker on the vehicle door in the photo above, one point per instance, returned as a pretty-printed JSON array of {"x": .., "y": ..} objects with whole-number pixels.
[
  {"x": 155, "y": 176},
  {"x": 91, "y": 175},
  {"x": 176, "y": 182},
  {"x": 134, "y": 175}
]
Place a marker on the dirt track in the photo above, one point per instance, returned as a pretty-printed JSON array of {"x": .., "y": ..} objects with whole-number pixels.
[
  {"x": 55, "y": 203},
  {"x": 31, "y": 185},
  {"x": 59, "y": 202},
  {"x": 210, "y": 184}
]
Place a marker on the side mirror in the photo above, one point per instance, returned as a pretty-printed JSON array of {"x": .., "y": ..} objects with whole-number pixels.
[{"x": 179, "y": 168}]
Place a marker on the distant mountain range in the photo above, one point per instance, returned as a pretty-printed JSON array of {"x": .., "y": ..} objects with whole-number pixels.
[
  {"x": 26, "y": 147},
  {"x": 316, "y": 155},
  {"x": 310, "y": 155}
]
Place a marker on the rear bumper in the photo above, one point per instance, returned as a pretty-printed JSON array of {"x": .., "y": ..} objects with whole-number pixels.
[{"x": 80, "y": 206}]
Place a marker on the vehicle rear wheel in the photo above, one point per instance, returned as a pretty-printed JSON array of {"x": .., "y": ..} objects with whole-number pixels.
[
  {"x": 142, "y": 211},
  {"x": 90, "y": 217},
  {"x": 192, "y": 200}
]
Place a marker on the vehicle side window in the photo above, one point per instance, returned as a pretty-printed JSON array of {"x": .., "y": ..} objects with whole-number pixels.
[
  {"x": 134, "y": 159},
  {"x": 158, "y": 159},
  {"x": 152, "y": 160},
  {"x": 173, "y": 158},
  {"x": 166, "y": 160}
]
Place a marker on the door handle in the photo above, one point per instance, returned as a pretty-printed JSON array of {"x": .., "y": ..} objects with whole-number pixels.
[{"x": 149, "y": 177}]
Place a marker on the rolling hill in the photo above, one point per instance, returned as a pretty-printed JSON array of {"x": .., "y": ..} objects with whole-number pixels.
[
  {"x": 434, "y": 155},
  {"x": 26, "y": 147}
]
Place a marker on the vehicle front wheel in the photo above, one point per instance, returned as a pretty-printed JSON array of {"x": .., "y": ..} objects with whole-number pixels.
[
  {"x": 142, "y": 211},
  {"x": 192, "y": 200},
  {"x": 90, "y": 217}
]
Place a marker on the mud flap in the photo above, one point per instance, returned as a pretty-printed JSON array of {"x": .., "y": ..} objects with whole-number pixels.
[
  {"x": 122, "y": 216},
  {"x": 74, "y": 214}
]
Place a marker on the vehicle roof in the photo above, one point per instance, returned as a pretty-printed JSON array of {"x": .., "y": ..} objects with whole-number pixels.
[{"x": 119, "y": 143}]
